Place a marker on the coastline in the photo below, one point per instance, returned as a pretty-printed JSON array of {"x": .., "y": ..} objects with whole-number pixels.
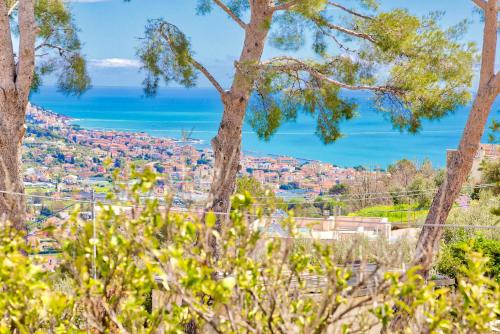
[
  {"x": 58, "y": 149},
  {"x": 195, "y": 142}
]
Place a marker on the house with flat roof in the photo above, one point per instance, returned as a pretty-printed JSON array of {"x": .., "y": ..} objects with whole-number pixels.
[{"x": 331, "y": 228}]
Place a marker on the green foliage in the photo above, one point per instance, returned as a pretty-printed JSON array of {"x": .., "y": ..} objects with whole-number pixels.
[
  {"x": 293, "y": 37},
  {"x": 422, "y": 190},
  {"x": 266, "y": 198},
  {"x": 73, "y": 78},
  {"x": 473, "y": 307},
  {"x": 279, "y": 94},
  {"x": 261, "y": 283},
  {"x": 59, "y": 49},
  {"x": 494, "y": 131},
  {"x": 337, "y": 189},
  {"x": 426, "y": 70},
  {"x": 236, "y": 6},
  {"x": 479, "y": 212},
  {"x": 415, "y": 69},
  {"x": 490, "y": 174},
  {"x": 28, "y": 303},
  {"x": 428, "y": 66},
  {"x": 454, "y": 256},
  {"x": 166, "y": 53},
  {"x": 394, "y": 213},
  {"x": 457, "y": 242}
]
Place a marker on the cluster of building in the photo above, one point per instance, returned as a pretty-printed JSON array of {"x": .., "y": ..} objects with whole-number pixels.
[
  {"x": 65, "y": 160},
  {"x": 72, "y": 158}
]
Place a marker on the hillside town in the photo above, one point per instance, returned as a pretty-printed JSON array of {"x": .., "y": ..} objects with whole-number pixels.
[{"x": 63, "y": 158}]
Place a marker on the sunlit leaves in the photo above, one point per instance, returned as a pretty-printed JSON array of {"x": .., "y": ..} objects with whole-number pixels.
[
  {"x": 58, "y": 48},
  {"x": 166, "y": 54},
  {"x": 427, "y": 68},
  {"x": 494, "y": 130},
  {"x": 423, "y": 69},
  {"x": 263, "y": 282},
  {"x": 430, "y": 67},
  {"x": 73, "y": 78},
  {"x": 281, "y": 93}
]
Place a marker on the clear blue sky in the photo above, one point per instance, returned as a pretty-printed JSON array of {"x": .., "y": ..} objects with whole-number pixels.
[{"x": 110, "y": 30}]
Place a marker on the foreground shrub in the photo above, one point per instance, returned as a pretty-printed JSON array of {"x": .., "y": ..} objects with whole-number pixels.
[
  {"x": 455, "y": 255},
  {"x": 248, "y": 282}
]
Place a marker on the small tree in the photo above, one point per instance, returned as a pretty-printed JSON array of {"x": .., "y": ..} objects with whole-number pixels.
[
  {"x": 426, "y": 71},
  {"x": 47, "y": 43}
]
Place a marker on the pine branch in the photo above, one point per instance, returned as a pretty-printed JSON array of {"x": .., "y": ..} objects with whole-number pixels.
[
  {"x": 288, "y": 64},
  {"x": 480, "y": 3},
  {"x": 322, "y": 22},
  {"x": 12, "y": 8},
  {"x": 352, "y": 12},
  {"x": 230, "y": 13},
  {"x": 197, "y": 65},
  {"x": 61, "y": 49},
  {"x": 286, "y": 6},
  {"x": 208, "y": 75}
]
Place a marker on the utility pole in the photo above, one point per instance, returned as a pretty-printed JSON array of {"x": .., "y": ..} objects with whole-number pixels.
[{"x": 94, "y": 237}]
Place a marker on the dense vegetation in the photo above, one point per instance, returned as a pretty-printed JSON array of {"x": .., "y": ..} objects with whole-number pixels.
[{"x": 260, "y": 284}]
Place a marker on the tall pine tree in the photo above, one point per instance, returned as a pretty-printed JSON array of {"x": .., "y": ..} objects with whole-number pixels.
[{"x": 414, "y": 68}]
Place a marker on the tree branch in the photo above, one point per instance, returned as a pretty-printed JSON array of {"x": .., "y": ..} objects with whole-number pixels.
[
  {"x": 7, "y": 69},
  {"x": 230, "y": 13},
  {"x": 320, "y": 21},
  {"x": 12, "y": 8},
  {"x": 52, "y": 46},
  {"x": 480, "y": 3},
  {"x": 27, "y": 39},
  {"x": 292, "y": 64},
  {"x": 198, "y": 66},
  {"x": 489, "y": 42},
  {"x": 350, "y": 11},
  {"x": 286, "y": 6},
  {"x": 208, "y": 75}
]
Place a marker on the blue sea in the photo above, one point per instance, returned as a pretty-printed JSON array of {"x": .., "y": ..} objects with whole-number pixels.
[{"x": 369, "y": 139}]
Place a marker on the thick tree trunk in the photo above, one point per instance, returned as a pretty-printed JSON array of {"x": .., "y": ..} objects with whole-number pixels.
[
  {"x": 227, "y": 143},
  {"x": 460, "y": 162},
  {"x": 12, "y": 128},
  {"x": 459, "y": 167},
  {"x": 15, "y": 83}
]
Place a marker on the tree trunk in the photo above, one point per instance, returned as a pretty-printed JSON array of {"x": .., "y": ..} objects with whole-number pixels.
[
  {"x": 458, "y": 168},
  {"x": 227, "y": 144},
  {"x": 12, "y": 128},
  {"x": 15, "y": 83},
  {"x": 460, "y": 163}
]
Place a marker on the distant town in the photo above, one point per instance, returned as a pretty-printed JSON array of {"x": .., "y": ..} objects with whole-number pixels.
[{"x": 64, "y": 158}]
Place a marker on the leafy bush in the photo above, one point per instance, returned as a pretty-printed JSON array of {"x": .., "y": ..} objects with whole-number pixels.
[
  {"x": 454, "y": 256},
  {"x": 479, "y": 212},
  {"x": 234, "y": 280},
  {"x": 394, "y": 213}
]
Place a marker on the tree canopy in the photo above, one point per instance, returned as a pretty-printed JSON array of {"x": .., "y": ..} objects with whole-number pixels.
[{"x": 414, "y": 68}]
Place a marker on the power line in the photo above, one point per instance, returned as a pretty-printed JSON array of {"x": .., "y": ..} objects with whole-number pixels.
[
  {"x": 228, "y": 214},
  {"x": 255, "y": 204},
  {"x": 402, "y": 195}
]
